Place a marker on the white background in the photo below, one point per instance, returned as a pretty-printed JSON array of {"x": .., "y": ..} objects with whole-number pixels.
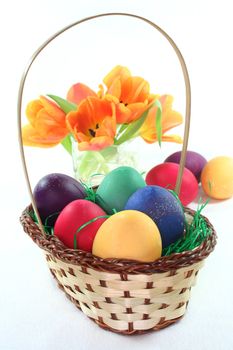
[{"x": 34, "y": 313}]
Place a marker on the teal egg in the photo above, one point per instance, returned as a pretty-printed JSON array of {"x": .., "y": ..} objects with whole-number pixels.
[{"x": 116, "y": 188}]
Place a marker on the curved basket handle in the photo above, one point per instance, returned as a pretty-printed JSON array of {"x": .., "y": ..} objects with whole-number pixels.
[{"x": 187, "y": 92}]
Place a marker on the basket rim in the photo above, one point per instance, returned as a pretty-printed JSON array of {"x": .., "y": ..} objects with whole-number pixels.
[{"x": 57, "y": 249}]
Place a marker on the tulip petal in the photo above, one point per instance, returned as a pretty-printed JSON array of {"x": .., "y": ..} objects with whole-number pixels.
[
  {"x": 129, "y": 113},
  {"x": 117, "y": 72},
  {"x": 152, "y": 138},
  {"x": 81, "y": 137},
  {"x": 123, "y": 114},
  {"x": 107, "y": 127},
  {"x": 52, "y": 109},
  {"x": 78, "y": 92},
  {"x": 96, "y": 144},
  {"x": 171, "y": 118},
  {"x": 135, "y": 89},
  {"x": 115, "y": 88},
  {"x": 172, "y": 138},
  {"x": 32, "y": 109},
  {"x": 31, "y": 137}
]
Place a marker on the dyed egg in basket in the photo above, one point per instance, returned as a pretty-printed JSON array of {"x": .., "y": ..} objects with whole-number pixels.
[{"x": 163, "y": 208}]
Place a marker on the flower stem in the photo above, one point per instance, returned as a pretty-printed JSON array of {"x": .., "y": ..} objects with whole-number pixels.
[{"x": 67, "y": 143}]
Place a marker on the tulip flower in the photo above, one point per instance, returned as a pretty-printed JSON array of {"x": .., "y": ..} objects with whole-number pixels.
[
  {"x": 47, "y": 124},
  {"x": 130, "y": 94},
  {"x": 170, "y": 119},
  {"x": 93, "y": 125}
]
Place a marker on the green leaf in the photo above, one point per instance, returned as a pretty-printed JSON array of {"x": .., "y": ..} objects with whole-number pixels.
[
  {"x": 65, "y": 105},
  {"x": 122, "y": 128},
  {"x": 67, "y": 144},
  {"x": 132, "y": 128},
  {"x": 158, "y": 122}
]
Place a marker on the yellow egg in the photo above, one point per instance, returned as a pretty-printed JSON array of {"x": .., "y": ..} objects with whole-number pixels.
[
  {"x": 217, "y": 178},
  {"x": 128, "y": 234}
]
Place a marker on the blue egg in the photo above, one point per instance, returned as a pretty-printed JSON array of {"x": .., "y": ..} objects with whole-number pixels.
[{"x": 163, "y": 207}]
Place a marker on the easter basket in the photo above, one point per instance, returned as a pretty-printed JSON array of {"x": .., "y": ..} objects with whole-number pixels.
[{"x": 124, "y": 296}]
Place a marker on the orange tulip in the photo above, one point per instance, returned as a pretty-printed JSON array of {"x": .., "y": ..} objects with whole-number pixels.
[
  {"x": 79, "y": 92},
  {"x": 131, "y": 94},
  {"x": 170, "y": 119},
  {"x": 93, "y": 124},
  {"x": 47, "y": 125}
]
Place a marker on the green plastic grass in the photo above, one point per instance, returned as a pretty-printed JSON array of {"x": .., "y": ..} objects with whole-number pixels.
[{"x": 195, "y": 233}]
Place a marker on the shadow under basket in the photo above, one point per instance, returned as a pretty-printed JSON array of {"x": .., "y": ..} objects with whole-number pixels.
[{"x": 124, "y": 296}]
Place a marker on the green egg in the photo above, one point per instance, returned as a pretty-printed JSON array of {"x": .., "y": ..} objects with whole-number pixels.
[{"x": 117, "y": 187}]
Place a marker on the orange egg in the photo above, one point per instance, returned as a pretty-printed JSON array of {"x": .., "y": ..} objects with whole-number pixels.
[
  {"x": 128, "y": 234},
  {"x": 217, "y": 178}
]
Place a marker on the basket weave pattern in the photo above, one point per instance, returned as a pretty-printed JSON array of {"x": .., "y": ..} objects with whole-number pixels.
[
  {"x": 141, "y": 302},
  {"x": 122, "y": 295}
]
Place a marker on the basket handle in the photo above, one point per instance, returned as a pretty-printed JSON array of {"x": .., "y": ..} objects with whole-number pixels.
[{"x": 187, "y": 92}]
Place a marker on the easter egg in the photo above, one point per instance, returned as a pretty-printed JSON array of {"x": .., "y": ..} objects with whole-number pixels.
[
  {"x": 73, "y": 217},
  {"x": 165, "y": 175},
  {"x": 53, "y": 192},
  {"x": 194, "y": 161},
  {"x": 217, "y": 178},
  {"x": 128, "y": 234},
  {"x": 117, "y": 187},
  {"x": 163, "y": 208}
]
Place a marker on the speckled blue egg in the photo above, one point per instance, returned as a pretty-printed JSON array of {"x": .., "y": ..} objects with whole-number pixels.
[{"x": 162, "y": 207}]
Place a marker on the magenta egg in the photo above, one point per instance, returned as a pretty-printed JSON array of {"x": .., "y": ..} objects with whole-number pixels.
[
  {"x": 195, "y": 162},
  {"x": 165, "y": 175},
  {"x": 79, "y": 222}
]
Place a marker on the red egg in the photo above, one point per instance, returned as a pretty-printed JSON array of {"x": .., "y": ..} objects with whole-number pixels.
[
  {"x": 70, "y": 220},
  {"x": 165, "y": 175},
  {"x": 195, "y": 162}
]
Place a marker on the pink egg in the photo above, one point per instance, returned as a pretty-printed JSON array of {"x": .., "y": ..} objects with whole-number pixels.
[
  {"x": 75, "y": 215},
  {"x": 165, "y": 175}
]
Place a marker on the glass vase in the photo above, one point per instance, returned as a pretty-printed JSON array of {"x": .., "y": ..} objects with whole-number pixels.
[{"x": 91, "y": 166}]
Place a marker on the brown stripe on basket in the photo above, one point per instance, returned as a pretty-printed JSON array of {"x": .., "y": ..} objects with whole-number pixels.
[
  {"x": 149, "y": 285},
  {"x": 71, "y": 271},
  {"x": 124, "y": 277},
  {"x": 85, "y": 259},
  {"x": 77, "y": 288}
]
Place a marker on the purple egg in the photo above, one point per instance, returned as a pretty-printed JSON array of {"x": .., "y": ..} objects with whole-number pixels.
[
  {"x": 53, "y": 192},
  {"x": 163, "y": 208},
  {"x": 195, "y": 162}
]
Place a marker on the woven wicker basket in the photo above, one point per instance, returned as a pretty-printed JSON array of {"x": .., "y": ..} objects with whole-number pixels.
[{"x": 123, "y": 296}]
